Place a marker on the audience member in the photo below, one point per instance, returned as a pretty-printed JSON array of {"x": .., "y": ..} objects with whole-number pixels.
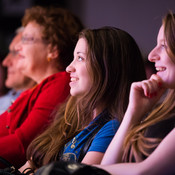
[
  {"x": 150, "y": 140},
  {"x": 45, "y": 50},
  {"x": 3, "y": 76},
  {"x": 15, "y": 80},
  {"x": 101, "y": 74}
]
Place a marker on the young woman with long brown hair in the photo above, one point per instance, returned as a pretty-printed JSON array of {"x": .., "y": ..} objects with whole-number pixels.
[{"x": 102, "y": 71}]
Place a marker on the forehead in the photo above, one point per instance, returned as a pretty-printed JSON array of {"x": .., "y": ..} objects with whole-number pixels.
[
  {"x": 15, "y": 40},
  {"x": 33, "y": 28},
  {"x": 161, "y": 34},
  {"x": 81, "y": 46}
]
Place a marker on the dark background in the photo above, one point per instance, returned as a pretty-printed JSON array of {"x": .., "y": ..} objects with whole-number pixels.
[
  {"x": 141, "y": 18},
  {"x": 11, "y": 12}
]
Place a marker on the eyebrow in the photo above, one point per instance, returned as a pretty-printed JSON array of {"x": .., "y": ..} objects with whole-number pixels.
[
  {"x": 161, "y": 40},
  {"x": 81, "y": 53}
]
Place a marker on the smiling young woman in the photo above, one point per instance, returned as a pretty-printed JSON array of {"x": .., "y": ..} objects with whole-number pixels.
[
  {"x": 101, "y": 73},
  {"x": 147, "y": 135}
]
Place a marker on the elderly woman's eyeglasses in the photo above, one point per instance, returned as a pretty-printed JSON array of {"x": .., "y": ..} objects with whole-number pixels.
[{"x": 31, "y": 40}]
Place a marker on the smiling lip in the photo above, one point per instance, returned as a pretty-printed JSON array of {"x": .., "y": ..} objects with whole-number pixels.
[
  {"x": 20, "y": 56},
  {"x": 73, "y": 80},
  {"x": 160, "y": 69}
]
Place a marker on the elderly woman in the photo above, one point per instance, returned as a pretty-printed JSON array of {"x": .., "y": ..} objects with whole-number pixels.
[{"x": 45, "y": 50}]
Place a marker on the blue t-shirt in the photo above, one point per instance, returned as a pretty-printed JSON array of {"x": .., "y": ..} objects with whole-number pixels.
[{"x": 100, "y": 142}]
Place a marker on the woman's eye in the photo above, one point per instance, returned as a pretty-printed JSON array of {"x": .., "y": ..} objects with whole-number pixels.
[
  {"x": 164, "y": 45},
  {"x": 80, "y": 59}
]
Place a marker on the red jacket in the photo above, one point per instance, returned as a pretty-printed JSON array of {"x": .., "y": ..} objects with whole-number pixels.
[{"x": 29, "y": 115}]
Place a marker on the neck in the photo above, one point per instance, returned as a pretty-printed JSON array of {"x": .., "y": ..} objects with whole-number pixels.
[
  {"x": 98, "y": 110},
  {"x": 28, "y": 85},
  {"x": 47, "y": 74}
]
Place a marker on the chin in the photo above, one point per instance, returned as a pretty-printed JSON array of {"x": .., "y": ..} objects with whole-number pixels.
[
  {"x": 7, "y": 84},
  {"x": 75, "y": 94},
  {"x": 72, "y": 93}
]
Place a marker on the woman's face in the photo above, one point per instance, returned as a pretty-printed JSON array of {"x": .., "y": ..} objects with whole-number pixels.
[
  {"x": 33, "y": 52},
  {"x": 163, "y": 63},
  {"x": 80, "y": 78}
]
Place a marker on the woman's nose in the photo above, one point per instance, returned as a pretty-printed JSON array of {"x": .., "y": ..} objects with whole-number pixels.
[
  {"x": 6, "y": 60},
  {"x": 18, "y": 46},
  {"x": 153, "y": 55},
  {"x": 70, "y": 68}
]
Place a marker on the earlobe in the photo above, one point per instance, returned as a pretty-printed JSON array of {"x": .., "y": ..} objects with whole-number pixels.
[
  {"x": 54, "y": 53},
  {"x": 48, "y": 59}
]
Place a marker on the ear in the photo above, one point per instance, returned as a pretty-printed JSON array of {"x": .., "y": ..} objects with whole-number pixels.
[{"x": 53, "y": 53}]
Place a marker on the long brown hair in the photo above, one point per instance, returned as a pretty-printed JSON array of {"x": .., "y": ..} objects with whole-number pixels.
[
  {"x": 111, "y": 62},
  {"x": 136, "y": 144}
]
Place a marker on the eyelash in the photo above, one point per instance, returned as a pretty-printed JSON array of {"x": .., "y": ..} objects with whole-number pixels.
[
  {"x": 164, "y": 46},
  {"x": 79, "y": 57}
]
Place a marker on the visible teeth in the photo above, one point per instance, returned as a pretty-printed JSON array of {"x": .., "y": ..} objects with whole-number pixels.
[
  {"x": 160, "y": 68},
  {"x": 73, "y": 79}
]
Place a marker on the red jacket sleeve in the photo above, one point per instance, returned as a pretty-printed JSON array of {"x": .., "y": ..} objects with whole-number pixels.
[{"x": 23, "y": 130}]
